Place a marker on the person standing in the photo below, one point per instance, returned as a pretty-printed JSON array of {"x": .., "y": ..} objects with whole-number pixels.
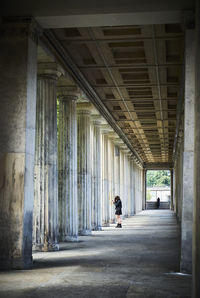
[
  {"x": 158, "y": 203},
  {"x": 118, "y": 211}
]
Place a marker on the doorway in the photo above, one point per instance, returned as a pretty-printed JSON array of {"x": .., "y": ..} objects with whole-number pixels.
[{"x": 158, "y": 189}]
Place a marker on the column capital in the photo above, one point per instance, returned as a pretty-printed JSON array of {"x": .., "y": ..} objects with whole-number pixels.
[
  {"x": 50, "y": 70},
  {"x": 20, "y": 27},
  {"x": 106, "y": 129},
  {"x": 68, "y": 92},
  {"x": 84, "y": 108},
  {"x": 97, "y": 120}
]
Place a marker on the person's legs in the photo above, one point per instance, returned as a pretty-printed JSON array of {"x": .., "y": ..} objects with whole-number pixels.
[
  {"x": 119, "y": 222},
  {"x": 117, "y": 218}
]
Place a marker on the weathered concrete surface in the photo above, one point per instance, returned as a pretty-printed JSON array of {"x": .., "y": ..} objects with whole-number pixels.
[
  {"x": 196, "y": 217},
  {"x": 18, "y": 63},
  {"x": 188, "y": 154},
  {"x": 140, "y": 260}
]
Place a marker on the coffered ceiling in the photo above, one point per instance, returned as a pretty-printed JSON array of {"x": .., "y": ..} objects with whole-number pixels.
[{"x": 137, "y": 73}]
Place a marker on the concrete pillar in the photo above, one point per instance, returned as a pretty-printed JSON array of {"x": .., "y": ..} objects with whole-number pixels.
[
  {"x": 138, "y": 189},
  {"x": 143, "y": 182},
  {"x": 188, "y": 155},
  {"x": 84, "y": 168},
  {"x": 18, "y": 65},
  {"x": 179, "y": 178},
  {"x": 67, "y": 164},
  {"x": 45, "y": 225},
  {"x": 96, "y": 177},
  {"x": 172, "y": 189},
  {"x": 196, "y": 218}
]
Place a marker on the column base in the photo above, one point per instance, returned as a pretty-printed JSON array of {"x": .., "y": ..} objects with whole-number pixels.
[
  {"x": 105, "y": 224},
  {"x": 186, "y": 267},
  {"x": 112, "y": 221},
  {"x": 85, "y": 232},
  {"x": 71, "y": 239},
  {"x": 46, "y": 247},
  {"x": 16, "y": 263},
  {"x": 99, "y": 228},
  {"x": 131, "y": 214}
]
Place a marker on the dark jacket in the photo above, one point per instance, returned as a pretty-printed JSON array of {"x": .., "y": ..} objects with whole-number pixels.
[{"x": 118, "y": 205}]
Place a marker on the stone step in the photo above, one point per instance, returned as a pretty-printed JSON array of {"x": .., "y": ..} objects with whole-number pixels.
[{"x": 153, "y": 205}]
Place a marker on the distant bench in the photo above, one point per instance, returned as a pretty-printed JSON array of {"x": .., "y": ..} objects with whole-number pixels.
[{"x": 153, "y": 205}]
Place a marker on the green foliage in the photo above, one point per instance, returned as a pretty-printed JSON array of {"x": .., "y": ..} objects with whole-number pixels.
[
  {"x": 148, "y": 195},
  {"x": 158, "y": 178}
]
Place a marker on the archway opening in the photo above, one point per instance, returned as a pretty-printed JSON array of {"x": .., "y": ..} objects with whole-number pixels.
[{"x": 158, "y": 189}]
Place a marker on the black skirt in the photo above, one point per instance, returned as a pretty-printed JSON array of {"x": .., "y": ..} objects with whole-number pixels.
[{"x": 118, "y": 212}]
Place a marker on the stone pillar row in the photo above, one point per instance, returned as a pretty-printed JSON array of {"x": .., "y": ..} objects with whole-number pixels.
[{"x": 47, "y": 194}]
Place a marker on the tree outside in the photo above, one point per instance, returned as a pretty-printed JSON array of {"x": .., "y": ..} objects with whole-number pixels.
[
  {"x": 158, "y": 178},
  {"x": 158, "y": 185}
]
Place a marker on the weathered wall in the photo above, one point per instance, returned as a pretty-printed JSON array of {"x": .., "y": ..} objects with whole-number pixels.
[
  {"x": 196, "y": 218},
  {"x": 17, "y": 144},
  {"x": 188, "y": 154}
]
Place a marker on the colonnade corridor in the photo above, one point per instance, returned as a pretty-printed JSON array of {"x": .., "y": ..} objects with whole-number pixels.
[{"x": 141, "y": 260}]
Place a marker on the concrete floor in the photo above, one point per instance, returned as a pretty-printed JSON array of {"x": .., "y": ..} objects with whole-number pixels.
[{"x": 140, "y": 261}]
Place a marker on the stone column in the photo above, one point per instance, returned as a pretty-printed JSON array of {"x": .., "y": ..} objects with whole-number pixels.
[
  {"x": 126, "y": 184},
  {"x": 196, "y": 218},
  {"x": 132, "y": 182},
  {"x": 67, "y": 164},
  {"x": 122, "y": 183},
  {"x": 188, "y": 155},
  {"x": 96, "y": 176},
  {"x": 105, "y": 186},
  {"x": 179, "y": 178},
  {"x": 172, "y": 190},
  {"x": 106, "y": 199},
  {"x": 143, "y": 189},
  {"x": 110, "y": 178},
  {"x": 45, "y": 228},
  {"x": 18, "y": 65},
  {"x": 84, "y": 168},
  {"x": 129, "y": 183},
  {"x": 116, "y": 171}
]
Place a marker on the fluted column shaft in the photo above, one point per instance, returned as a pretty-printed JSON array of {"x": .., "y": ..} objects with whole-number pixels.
[
  {"x": 45, "y": 228},
  {"x": 132, "y": 186},
  {"x": 96, "y": 178},
  {"x": 105, "y": 195},
  {"x": 122, "y": 182},
  {"x": 111, "y": 180},
  {"x": 67, "y": 167},
  {"x": 84, "y": 171}
]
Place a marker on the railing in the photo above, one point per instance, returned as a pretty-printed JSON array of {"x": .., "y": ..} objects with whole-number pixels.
[{"x": 153, "y": 205}]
